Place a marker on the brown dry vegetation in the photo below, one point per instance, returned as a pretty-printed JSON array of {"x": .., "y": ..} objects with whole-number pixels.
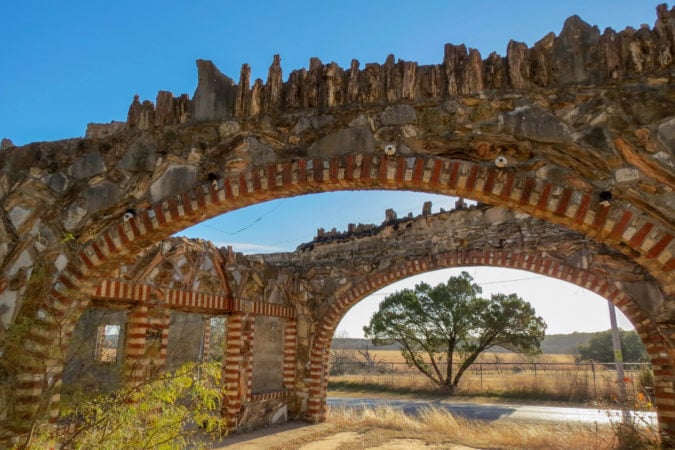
[
  {"x": 440, "y": 429},
  {"x": 552, "y": 378}
]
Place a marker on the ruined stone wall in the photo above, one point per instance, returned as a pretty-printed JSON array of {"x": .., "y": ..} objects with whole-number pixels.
[
  {"x": 577, "y": 131},
  {"x": 186, "y": 339},
  {"x": 85, "y": 373},
  {"x": 268, "y": 355},
  {"x": 580, "y": 54},
  {"x": 273, "y": 355}
]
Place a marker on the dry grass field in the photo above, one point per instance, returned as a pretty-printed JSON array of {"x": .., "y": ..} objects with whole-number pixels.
[
  {"x": 437, "y": 428},
  {"x": 546, "y": 377},
  {"x": 389, "y": 428},
  {"x": 394, "y": 356}
]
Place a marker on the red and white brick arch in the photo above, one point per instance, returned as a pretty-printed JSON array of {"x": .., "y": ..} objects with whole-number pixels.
[
  {"x": 619, "y": 225},
  {"x": 660, "y": 351}
]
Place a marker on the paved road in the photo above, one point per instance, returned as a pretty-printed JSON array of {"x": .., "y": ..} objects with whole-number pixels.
[{"x": 492, "y": 412}]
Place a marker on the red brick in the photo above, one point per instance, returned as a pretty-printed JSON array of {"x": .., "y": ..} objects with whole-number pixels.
[
  {"x": 564, "y": 202},
  {"x": 243, "y": 185},
  {"x": 159, "y": 213},
  {"x": 199, "y": 197},
  {"x": 527, "y": 191},
  {"x": 213, "y": 193},
  {"x": 333, "y": 169},
  {"x": 85, "y": 259},
  {"x": 145, "y": 217},
  {"x": 670, "y": 265},
  {"x": 228, "y": 188},
  {"x": 490, "y": 181},
  {"x": 382, "y": 169},
  {"x": 318, "y": 170},
  {"x": 471, "y": 180},
  {"x": 134, "y": 228},
  {"x": 641, "y": 234},
  {"x": 600, "y": 217},
  {"x": 286, "y": 174},
  {"x": 659, "y": 246},
  {"x": 621, "y": 225},
  {"x": 302, "y": 171},
  {"x": 365, "y": 167},
  {"x": 400, "y": 170},
  {"x": 454, "y": 175},
  {"x": 507, "y": 187},
  {"x": 350, "y": 161},
  {"x": 418, "y": 171},
  {"x": 436, "y": 173},
  {"x": 173, "y": 208},
  {"x": 542, "y": 204},
  {"x": 583, "y": 209}
]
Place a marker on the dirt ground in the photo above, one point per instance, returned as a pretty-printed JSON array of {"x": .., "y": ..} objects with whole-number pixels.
[{"x": 326, "y": 436}]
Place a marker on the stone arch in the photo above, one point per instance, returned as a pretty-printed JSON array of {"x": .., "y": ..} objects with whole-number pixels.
[
  {"x": 404, "y": 126},
  {"x": 658, "y": 346},
  {"x": 620, "y": 225}
]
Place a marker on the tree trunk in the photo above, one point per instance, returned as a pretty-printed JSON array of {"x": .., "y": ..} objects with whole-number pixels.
[{"x": 449, "y": 387}]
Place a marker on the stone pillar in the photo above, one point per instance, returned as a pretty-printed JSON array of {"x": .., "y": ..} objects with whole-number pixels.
[
  {"x": 237, "y": 366},
  {"x": 146, "y": 342}
]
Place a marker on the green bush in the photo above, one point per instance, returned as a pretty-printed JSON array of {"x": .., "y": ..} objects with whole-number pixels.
[{"x": 171, "y": 411}]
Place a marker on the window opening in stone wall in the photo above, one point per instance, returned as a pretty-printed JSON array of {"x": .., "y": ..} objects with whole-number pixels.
[
  {"x": 215, "y": 348},
  {"x": 107, "y": 339}
]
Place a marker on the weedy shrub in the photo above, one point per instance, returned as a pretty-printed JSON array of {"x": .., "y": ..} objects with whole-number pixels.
[
  {"x": 635, "y": 435},
  {"x": 174, "y": 410}
]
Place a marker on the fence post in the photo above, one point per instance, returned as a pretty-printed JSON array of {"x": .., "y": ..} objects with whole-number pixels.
[
  {"x": 480, "y": 365},
  {"x": 595, "y": 384}
]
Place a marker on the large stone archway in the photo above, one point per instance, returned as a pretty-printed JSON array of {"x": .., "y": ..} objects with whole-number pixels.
[
  {"x": 307, "y": 292},
  {"x": 577, "y": 131}
]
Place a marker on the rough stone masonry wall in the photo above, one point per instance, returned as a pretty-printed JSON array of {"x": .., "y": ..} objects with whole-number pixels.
[
  {"x": 344, "y": 267},
  {"x": 579, "y": 55},
  {"x": 578, "y": 130},
  {"x": 336, "y": 263}
]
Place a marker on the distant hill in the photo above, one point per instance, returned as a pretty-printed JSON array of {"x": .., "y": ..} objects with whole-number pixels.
[{"x": 554, "y": 344}]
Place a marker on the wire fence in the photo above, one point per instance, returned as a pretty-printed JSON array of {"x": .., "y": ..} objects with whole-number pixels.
[{"x": 564, "y": 381}]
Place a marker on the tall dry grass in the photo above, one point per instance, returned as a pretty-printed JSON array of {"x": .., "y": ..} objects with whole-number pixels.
[
  {"x": 553, "y": 383},
  {"x": 433, "y": 425}
]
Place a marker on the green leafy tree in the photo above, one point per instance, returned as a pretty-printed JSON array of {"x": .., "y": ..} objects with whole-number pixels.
[
  {"x": 450, "y": 324},
  {"x": 599, "y": 348}
]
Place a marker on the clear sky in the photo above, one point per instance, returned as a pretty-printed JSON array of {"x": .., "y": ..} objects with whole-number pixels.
[{"x": 67, "y": 63}]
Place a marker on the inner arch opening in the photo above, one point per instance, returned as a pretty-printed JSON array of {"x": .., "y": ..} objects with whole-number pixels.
[
  {"x": 565, "y": 307},
  {"x": 281, "y": 225}
]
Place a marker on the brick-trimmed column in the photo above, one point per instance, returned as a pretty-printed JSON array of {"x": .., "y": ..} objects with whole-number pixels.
[
  {"x": 248, "y": 336},
  {"x": 290, "y": 344},
  {"x": 206, "y": 340},
  {"x": 35, "y": 391},
  {"x": 146, "y": 342},
  {"x": 662, "y": 357},
  {"x": 318, "y": 384},
  {"x": 237, "y": 366}
]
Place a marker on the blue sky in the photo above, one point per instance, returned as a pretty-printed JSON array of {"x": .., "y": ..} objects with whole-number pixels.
[{"x": 65, "y": 64}]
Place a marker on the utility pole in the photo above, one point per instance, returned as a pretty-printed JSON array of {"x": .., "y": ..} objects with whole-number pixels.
[{"x": 618, "y": 357}]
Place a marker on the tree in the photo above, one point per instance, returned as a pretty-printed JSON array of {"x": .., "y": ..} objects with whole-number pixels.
[
  {"x": 599, "y": 348},
  {"x": 433, "y": 325}
]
